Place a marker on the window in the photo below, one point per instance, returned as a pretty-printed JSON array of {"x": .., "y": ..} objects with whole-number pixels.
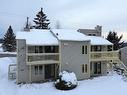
[
  {"x": 109, "y": 48},
  {"x": 82, "y": 49},
  {"x": 85, "y": 49},
  {"x": 38, "y": 70},
  {"x": 52, "y": 70},
  {"x": 95, "y": 48},
  {"x": 41, "y": 49},
  {"x": 36, "y": 49},
  {"x": 83, "y": 68}
]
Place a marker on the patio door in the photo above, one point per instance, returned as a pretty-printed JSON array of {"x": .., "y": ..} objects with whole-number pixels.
[
  {"x": 97, "y": 68},
  {"x": 49, "y": 71}
]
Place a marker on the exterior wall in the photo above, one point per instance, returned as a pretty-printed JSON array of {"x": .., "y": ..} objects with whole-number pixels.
[
  {"x": 23, "y": 69},
  {"x": 93, "y": 32},
  {"x": 72, "y": 58},
  {"x": 123, "y": 55}
]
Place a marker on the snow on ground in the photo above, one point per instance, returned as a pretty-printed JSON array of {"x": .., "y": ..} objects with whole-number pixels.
[
  {"x": 1, "y": 48},
  {"x": 1, "y": 52},
  {"x": 106, "y": 85}
]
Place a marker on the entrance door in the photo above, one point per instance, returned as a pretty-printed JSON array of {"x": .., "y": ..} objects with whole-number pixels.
[
  {"x": 97, "y": 68},
  {"x": 49, "y": 71}
]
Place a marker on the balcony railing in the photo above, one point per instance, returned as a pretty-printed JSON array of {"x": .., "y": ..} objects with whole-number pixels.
[
  {"x": 109, "y": 55},
  {"x": 42, "y": 58}
]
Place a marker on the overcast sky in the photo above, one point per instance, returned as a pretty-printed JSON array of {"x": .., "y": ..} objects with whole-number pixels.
[{"x": 75, "y": 14}]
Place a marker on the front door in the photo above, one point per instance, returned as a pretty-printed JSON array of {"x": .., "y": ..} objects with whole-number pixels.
[{"x": 50, "y": 71}]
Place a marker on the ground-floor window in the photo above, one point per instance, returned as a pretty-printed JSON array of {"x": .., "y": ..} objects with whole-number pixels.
[
  {"x": 84, "y": 68},
  {"x": 38, "y": 70}
]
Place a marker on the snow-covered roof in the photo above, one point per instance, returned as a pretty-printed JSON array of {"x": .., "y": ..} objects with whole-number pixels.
[
  {"x": 95, "y": 40},
  {"x": 37, "y": 37},
  {"x": 74, "y": 35},
  {"x": 45, "y": 37},
  {"x": 69, "y": 35}
]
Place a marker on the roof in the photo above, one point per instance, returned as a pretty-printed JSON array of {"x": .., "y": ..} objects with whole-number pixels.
[
  {"x": 69, "y": 35},
  {"x": 98, "y": 40},
  {"x": 37, "y": 37},
  {"x": 74, "y": 35},
  {"x": 45, "y": 37}
]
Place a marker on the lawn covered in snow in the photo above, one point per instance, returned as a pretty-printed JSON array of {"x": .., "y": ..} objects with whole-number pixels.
[{"x": 106, "y": 85}]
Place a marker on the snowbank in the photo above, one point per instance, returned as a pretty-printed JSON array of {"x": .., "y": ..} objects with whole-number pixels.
[{"x": 68, "y": 77}]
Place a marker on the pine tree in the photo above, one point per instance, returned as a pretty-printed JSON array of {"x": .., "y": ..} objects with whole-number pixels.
[
  {"x": 9, "y": 41},
  {"x": 41, "y": 21},
  {"x": 113, "y": 38}
]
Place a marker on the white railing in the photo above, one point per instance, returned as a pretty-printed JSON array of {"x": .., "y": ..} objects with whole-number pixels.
[
  {"x": 42, "y": 58},
  {"x": 12, "y": 69},
  {"x": 109, "y": 55}
]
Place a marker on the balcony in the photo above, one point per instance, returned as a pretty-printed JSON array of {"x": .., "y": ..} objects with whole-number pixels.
[
  {"x": 42, "y": 58},
  {"x": 102, "y": 56}
]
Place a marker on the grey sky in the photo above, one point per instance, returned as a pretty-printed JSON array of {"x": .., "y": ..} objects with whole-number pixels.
[{"x": 111, "y": 14}]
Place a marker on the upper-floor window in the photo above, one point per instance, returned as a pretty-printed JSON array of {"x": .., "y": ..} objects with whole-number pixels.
[
  {"x": 96, "y": 48},
  {"x": 109, "y": 48},
  {"x": 84, "y": 49}
]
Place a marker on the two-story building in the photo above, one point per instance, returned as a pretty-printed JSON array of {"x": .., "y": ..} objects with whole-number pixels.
[{"x": 42, "y": 54}]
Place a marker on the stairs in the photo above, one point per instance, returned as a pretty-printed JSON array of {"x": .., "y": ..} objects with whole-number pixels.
[{"x": 120, "y": 68}]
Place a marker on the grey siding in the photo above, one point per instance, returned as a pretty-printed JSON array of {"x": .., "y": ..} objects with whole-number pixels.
[
  {"x": 22, "y": 72},
  {"x": 72, "y": 58}
]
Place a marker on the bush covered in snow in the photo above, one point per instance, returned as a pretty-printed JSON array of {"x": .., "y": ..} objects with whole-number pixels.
[{"x": 66, "y": 81}]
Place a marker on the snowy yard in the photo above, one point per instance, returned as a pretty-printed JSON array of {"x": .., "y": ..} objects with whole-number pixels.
[
  {"x": 106, "y": 85},
  {"x": 1, "y": 48}
]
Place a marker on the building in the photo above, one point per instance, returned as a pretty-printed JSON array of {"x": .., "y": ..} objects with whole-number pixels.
[
  {"x": 42, "y": 54},
  {"x": 92, "y": 32},
  {"x": 123, "y": 55}
]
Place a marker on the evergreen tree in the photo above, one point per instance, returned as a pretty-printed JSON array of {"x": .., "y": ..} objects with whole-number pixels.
[
  {"x": 41, "y": 21},
  {"x": 113, "y": 38},
  {"x": 9, "y": 41}
]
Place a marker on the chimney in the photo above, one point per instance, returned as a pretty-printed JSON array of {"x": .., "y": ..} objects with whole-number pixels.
[{"x": 98, "y": 28}]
